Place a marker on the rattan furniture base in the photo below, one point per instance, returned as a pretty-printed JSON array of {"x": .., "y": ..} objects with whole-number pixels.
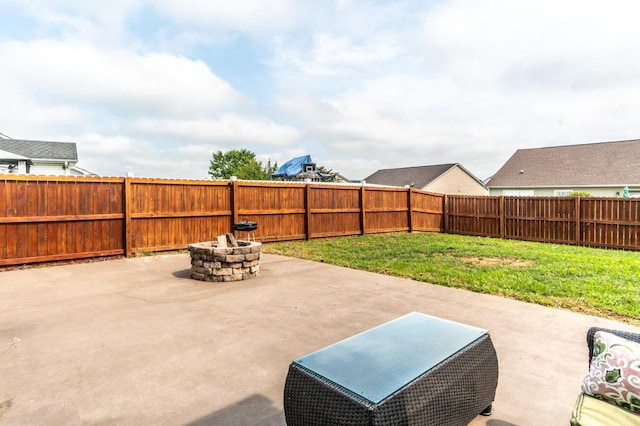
[{"x": 451, "y": 393}]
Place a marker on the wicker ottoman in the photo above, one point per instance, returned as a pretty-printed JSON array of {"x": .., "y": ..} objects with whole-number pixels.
[{"x": 415, "y": 370}]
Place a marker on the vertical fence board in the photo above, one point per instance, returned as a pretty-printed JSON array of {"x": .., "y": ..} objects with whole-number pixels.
[
  {"x": 363, "y": 211},
  {"x": 32, "y": 210},
  {"x": 10, "y": 212},
  {"x": 21, "y": 210},
  {"x": 3, "y": 213}
]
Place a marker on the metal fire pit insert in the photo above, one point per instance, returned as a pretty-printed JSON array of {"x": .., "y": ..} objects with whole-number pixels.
[{"x": 247, "y": 227}]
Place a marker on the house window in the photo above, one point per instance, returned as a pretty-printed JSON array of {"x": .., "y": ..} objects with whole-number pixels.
[
  {"x": 308, "y": 169},
  {"x": 562, "y": 192}
]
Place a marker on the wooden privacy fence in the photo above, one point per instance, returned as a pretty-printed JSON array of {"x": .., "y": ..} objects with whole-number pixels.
[
  {"x": 594, "y": 222},
  {"x": 49, "y": 218}
]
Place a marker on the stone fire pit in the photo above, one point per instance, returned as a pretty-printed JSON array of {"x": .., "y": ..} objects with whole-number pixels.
[{"x": 217, "y": 264}]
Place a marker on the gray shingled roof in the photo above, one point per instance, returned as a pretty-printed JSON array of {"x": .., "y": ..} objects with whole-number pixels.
[
  {"x": 604, "y": 163},
  {"x": 419, "y": 177},
  {"x": 40, "y": 149},
  {"x": 6, "y": 155}
]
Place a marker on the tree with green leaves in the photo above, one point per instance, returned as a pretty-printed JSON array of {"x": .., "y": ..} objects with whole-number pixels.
[{"x": 241, "y": 163}]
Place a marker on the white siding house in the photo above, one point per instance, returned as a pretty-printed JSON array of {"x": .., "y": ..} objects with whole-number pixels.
[
  {"x": 604, "y": 169},
  {"x": 39, "y": 158}
]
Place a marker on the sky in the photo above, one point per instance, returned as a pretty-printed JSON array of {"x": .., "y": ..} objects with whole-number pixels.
[{"x": 155, "y": 87}]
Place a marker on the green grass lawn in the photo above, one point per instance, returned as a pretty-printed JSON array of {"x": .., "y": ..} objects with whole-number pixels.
[{"x": 594, "y": 281}]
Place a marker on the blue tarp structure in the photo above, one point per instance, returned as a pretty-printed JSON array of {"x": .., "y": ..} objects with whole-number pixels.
[{"x": 292, "y": 167}]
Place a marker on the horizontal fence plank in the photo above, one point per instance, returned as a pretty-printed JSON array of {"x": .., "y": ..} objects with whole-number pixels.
[
  {"x": 65, "y": 218},
  {"x": 426, "y": 229},
  {"x": 386, "y": 230},
  {"x": 59, "y": 257},
  {"x": 476, "y": 215},
  {"x": 536, "y": 218},
  {"x": 246, "y": 212},
  {"x": 387, "y": 210},
  {"x": 323, "y": 211},
  {"x": 178, "y": 214},
  {"x": 430, "y": 211}
]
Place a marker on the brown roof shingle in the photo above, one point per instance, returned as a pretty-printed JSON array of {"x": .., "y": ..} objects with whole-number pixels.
[{"x": 603, "y": 163}]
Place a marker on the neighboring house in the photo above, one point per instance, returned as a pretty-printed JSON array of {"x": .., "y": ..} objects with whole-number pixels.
[
  {"x": 444, "y": 178},
  {"x": 40, "y": 158},
  {"x": 602, "y": 169},
  {"x": 303, "y": 168}
]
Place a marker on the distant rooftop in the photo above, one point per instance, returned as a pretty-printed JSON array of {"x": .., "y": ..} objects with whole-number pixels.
[
  {"x": 603, "y": 163},
  {"x": 41, "y": 150},
  {"x": 418, "y": 177}
]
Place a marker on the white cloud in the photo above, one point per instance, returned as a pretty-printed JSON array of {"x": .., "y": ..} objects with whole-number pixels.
[
  {"x": 102, "y": 23},
  {"x": 227, "y": 130},
  {"x": 109, "y": 155},
  {"x": 126, "y": 83},
  {"x": 248, "y": 16},
  {"x": 548, "y": 43},
  {"x": 118, "y": 155},
  {"x": 331, "y": 55},
  {"x": 95, "y": 144}
]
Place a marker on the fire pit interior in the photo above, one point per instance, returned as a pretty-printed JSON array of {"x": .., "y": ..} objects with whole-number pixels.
[{"x": 217, "y": 261}]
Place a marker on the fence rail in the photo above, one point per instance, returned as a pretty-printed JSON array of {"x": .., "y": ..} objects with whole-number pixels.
[{"x": 49, "y": 218}]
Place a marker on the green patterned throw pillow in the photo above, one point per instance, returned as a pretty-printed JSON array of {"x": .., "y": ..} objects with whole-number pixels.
[{"x": 614, "y": 373}]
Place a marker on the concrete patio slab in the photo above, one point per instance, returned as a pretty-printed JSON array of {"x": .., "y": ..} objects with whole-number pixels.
[{"x": 136, "y": 341}]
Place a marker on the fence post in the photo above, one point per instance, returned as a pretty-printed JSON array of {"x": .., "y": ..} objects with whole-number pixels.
[
  {"x": 362, "y": 215},
  {"x": 503, "y": 220},
  {"x": 410, "y": 205},
  {"x": 234, "y": 203},
  {"x": 445, "y": 214},
  {"x": 128, "y": 239},
  {"x": 307, "y": 210},
  {"x": 578, "y": 218}
]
